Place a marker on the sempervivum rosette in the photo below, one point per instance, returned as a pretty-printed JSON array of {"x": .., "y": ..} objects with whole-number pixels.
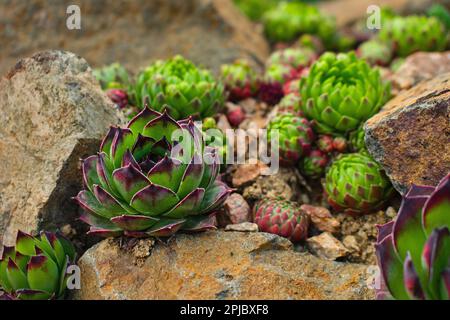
[
  {"x": 271, "y": 87},
  {"x": 298, "y": 58},
  {"x": 375, "y": 52},
  {"x": 151, "y": 178},
  {"x": 314, "y": 165},
  {"x": 356, "y": 184},
  {"x": 240, "y": 80},
  {"x": 281, "y": 217},
  {"x": 180, "y": 87},
  {"x": 114, "y": 79},
  {"x": 413, "y": 251},
  {"x": 36, "y": 267},
  {"x": 295, "y": 137},
  {"x": 414, "y": 33},
  {"x": 340, "y": 92}
]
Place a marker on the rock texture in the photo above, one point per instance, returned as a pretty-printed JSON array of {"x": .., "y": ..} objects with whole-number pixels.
[
  {"x": 52, "y": 113},
  {"x": 418, "y": 67},
  {"x": 235, "y": 210},
  {"x": 410, "y": 137},
  {"x": 135, "y": 32},
  {"x": 326, "y": 246},
  {"x": 225, "y": 265}
]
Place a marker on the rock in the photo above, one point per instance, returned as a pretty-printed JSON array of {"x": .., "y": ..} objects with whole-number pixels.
[
  {"x": 359, "y": 235},
  {"x": 349, "y": 11},
  {"x": 418, "y": 67},
  {"x": 209, "y": 32},
  {"x": 218, "y": 265},
  {"x": 326, "y": 246},
  {"x": 321, "y": 218},
  {"x": 242, "y": 227},
  {"x": 247, "y": 173},
  {"x": 410, "y": 136},
  {"x": 287, "y": 184},
  {"x": 235, "y": 210},
  {"x": 53, "y": 114}
]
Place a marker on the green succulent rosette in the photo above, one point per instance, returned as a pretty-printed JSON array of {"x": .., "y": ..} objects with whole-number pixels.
[
  {"x": 113, "y": 76},
  {"x": 342, "y": 91},
  {"x": 288, "y": 20},
  {"x": 240, "y": 80},
  {"x": 36, "y": 267},
  {"x": 375, "y": 52},
  {"x": 294, "y": 57},
  {"x": 356, "y": 184},
  {"x": 356, "y": 139},
  {"x": 180, "y": 87},
  {"x": 295, "y": 137},
  {"x": 151, "y": 178},
  {"x": 414, "y": 33},
  {"x": 314, "y": 165}
]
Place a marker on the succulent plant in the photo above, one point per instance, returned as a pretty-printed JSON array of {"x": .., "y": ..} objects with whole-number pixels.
[
  {"x": 180, "y": 87},
  {"x": 235, "y": 115},
  {"x": 151, "y": 178},
  {"x": 35, "y": 269},
  {"x": 289, "y": 20},
  {"x": 413, "y": 251},
  {"x": 271, "y": 87},
  {"x": 281, "y": 217},
  {"x": 314, "y": 164},
  {"x": 215, "y": 138},
  {"x": 356, "y": 139},
  {"x": 290, "y": 104},
  {"x": 255, "y": 9},
  {"x": 375, "y": 52},
  {"x": 414, "y": 33},
  {"x": 356, "y": 184},
  {"x": 297, "y": 58},
  {"x": 119, "y": 97},
  {"x": 441, "y": 13},
  {"x": 295, "y": 137},
  {"x": 292, "y": 86},
  {"x": 325, "y": 143},
  {"x": 312, "y": 42},
  {"x": 240, "y": 80},
  {"x": 340, "y": 92},
  {"x": 113, "y": 76}
]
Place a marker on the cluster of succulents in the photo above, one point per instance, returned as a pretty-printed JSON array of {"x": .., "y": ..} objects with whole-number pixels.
[
  {"x": 36, "y": 267},
  {"x": 240, "y": 80},
  {"x": 271, "y": 86},
  {"x": 281, "y": 217},
  {"x": 151, "y": 178},
  {"x": 180, "y": 87},
  {"x": 356, "y": 184},
  {"x": 413, "y": 251},
  {"x": 414, "y": 33},
  {"x": 115, "y": 81},
  {"x": 288, "y": 20},
  {"x": 340, "y": 92}
]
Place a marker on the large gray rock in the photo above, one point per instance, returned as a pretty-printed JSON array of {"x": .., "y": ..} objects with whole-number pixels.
[
  {"x": 216, "y": 265},
  {"x": 135, "y": 32},
  {"x": 410, "y": 136},
  {"x": 52, "y": 114}
]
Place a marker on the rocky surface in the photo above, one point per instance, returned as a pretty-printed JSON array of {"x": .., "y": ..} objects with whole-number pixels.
[
  {"x": 326, "y": 246},
  {"x": 52, "y": 113},
  {"x": 410, "y": 136},
  {"x": 235, "y": 210},
  {"x": 242, "y": 227},
  {"x": 136, "y": 32},
  {"x": 418, "y": 67},
  {"x": 224, "y": 265},
  {"x": 321, "y": 218}
]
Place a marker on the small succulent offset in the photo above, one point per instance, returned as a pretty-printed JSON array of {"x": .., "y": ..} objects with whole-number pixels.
[
  {"x": 295, "y": 137},
  {"x": 298, "y": 58},
  {"x": 113, "y": 76},
  {"x": 356, "y": 184},
  {"x": 288, "y": 20},
  {"x": 271, "y": 87},
  {"x": 35, "y": 269},
  {"x": 413, "y": 251},
  {"x": 283, "y": 218},
  {"x": 240, "y": 80},
  {"x": 151, "y": 178},
  {"x": 375, "y": 52},
  {"x": 180, "y": 87},
  {"x": 356, "y": 139},
  {"x": 414, "y": 33},
  {"x": 340, "y": 92},
  {"x": 315, "y": 164},
  {"x": 290, "y": 104}
]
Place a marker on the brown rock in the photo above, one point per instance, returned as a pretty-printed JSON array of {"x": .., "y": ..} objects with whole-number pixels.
[
  {"x": 321, "y": 218},
  {"x": 218, "y": 265},
  {"x": 418, "y": 67},
  {"x": 53, "y": 114},
  {"x": 410, "y": 136},
  {"x": 235, "y": 210},
  {"x": 247, "y": 173},
  {"x": 242, "y": 227},
  {"x": 326, "y": 246},
  {"x": 135, "y": 32}
]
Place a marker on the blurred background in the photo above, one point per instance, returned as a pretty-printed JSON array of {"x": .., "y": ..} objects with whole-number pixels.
[{"x": 136, "y": 32}]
